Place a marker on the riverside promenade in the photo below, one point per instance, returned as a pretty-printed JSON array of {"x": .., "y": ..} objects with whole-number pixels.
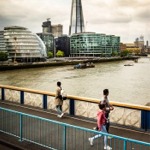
[
  {"x": 8, "y": 65},
  {"x": 9, "y": 142}
]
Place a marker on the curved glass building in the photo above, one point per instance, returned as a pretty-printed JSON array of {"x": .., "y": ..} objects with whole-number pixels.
[
  {"x": 23, "y": 45},
  {"x": 93, "y": 44}
]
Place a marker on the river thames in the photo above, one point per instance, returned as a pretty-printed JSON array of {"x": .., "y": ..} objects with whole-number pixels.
[{"x": 127, "y": 84}]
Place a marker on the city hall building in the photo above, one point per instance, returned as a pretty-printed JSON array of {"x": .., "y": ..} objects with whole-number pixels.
[
  {"x": 94, "y": 44},
  {"x": 22, "y": 45}
]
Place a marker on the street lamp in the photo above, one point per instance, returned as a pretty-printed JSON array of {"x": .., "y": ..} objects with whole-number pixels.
[{"x": 15, "y": 39}]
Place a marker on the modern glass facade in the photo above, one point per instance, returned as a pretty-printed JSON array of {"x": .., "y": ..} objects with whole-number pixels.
[
  {"x": 48, "y": 40},
  {"x": 93, "y": 44},
  {"x": 22, "y": 44}
]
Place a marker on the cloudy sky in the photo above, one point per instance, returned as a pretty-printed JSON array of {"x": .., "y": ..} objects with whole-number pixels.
[{"x": 128, "y": 19}]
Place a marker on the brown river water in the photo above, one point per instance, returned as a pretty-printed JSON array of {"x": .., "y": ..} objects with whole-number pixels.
[{"x": 127, "y": 84}]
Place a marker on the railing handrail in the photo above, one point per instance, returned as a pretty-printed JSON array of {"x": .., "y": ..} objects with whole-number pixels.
[
  {"x": 77, "y": 127},
  {"x": 92, "y": 100}
]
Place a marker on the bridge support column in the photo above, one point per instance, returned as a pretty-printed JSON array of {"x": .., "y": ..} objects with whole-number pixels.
[
  {"x": 21, "y": 97},
  {"x": 3, "y": 94},
  {"x": 44, "y": 101},
  {"x": 145, "y": 120},
  {"x": 72, "y": 107}
]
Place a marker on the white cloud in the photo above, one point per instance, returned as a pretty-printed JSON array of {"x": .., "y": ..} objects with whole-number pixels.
[{"x": 125, "y": 18}]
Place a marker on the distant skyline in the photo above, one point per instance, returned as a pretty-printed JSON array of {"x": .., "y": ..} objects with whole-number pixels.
[{"x": 128, "y": 19}]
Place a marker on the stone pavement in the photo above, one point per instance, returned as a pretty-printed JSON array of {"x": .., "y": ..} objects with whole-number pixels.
[{"x": 15, "y": 144}]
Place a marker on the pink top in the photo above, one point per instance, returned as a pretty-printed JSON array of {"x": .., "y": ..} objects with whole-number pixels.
[{"x": 101, "y": 119}]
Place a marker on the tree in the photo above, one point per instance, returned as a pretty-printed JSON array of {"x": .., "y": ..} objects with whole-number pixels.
[
  {"x": 114, "y": 53},
  {"x": 125, "y": 53},
  {"x": 3, "y": 56},
  {"x": 50, "y": 54},
  {"x": 60, "y": 53}
]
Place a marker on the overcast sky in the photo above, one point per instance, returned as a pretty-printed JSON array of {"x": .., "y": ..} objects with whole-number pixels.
[{"x": 128, "y": 19}]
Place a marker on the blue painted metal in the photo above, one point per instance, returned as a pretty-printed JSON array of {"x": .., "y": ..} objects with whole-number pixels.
[
  {"x": 145, "y": 120},
  {"x": 21, "y": 97},
  {"x": 3, "y": 94},
  {"x": 125, "y": 145},
  {"x": 36, "y": 128},
  {"x": 72, "y": 107},
  {"x": 44, "y": 101},
  {"x": 21, "y": 126},
  {"x": 64, "y": 138}
]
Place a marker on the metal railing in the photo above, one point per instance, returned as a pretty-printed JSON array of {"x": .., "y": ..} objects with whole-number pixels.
[
  {"x": 135, "y": 116},
  {"x": 57, "y": 135}
]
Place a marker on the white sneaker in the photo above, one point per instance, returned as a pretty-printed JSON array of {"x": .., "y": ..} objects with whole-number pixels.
[
  {"x": 91, "y": 141},
  {"x": 61, "y": 115},
  {"x": 94, "y": 128},
  {"x": 107, "y": 147},
  {"x": 58, "y": 116}
]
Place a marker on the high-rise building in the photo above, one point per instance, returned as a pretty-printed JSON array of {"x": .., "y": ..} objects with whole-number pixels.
[
  {"x": 47, "y": 26},
  {"x": 57, "y": 30},
  {"x": 76, "y": 19}
]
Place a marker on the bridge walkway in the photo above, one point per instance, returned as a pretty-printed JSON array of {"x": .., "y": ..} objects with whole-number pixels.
[{"x": 77, "y": 121}]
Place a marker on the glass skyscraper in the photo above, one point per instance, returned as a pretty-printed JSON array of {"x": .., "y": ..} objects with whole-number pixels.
[{"x": 76, "y": 19}]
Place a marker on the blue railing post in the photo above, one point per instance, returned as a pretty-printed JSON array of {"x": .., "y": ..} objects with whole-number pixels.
[
  {"x": 64, "y": 138},
  {"x": 72, "y": 107},
  {"x": 145, "y": 120},
  {"x": 125, "y": 145},
  {"x": 21, "y": 97},
  {"x": 3, "y": 94},
  {"x": 21, "y": 127},
  {"x": 44, "y": 101}
]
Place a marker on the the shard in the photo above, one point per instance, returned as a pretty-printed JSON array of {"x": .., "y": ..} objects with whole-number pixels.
[{"x": 76, "y": 19}]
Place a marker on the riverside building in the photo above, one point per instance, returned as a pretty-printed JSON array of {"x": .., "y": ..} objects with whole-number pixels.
[
  {"x": 2, "y": 42},
  {"x": 23, "y": 45},
  {"x": 94, "y": 44}
]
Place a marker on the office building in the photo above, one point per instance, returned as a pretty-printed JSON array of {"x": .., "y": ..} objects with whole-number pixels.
[
  {"x": 76, "y": 18},
  {"x": 56, "y": 30},
  {"x": 23, "y": 45},
  {"x": 2, "y": 42},
  {"x": 48, "y": 39},
  {"x": 63, "y": 44},
  {"x": 94, "y": 44}
]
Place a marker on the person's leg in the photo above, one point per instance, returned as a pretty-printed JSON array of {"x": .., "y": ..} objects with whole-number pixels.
[
  {"x": 58, "y": 108},
  {"x": 107, "y": 122},
  {"x": 94, "y": 137},
  {"x": 107, "y": 126},
  {"x": 105, "y": 138}
]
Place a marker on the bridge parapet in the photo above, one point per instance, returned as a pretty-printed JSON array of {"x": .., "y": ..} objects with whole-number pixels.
[{"x": 135, "y": 116}]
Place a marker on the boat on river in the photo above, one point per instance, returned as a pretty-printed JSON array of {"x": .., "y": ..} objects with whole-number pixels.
[
  {"x": 128, "y": 65},
  {"x": 84, "y": 65}
]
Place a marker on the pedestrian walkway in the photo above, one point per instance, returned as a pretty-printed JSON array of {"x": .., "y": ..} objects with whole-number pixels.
[{"x": 77, "y": 121}]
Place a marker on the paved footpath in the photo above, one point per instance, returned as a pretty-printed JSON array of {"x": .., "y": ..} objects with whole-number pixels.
[{"x": 15, "y": 144}]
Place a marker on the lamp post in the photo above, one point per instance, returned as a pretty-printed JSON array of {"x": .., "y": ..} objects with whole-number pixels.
[{"x": 15, "y": 39}]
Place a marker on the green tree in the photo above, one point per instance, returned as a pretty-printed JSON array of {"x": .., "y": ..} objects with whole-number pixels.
[
  {"x": 3, "y": 56},
  {"x": 50, "y": 54},
  {"x": 125, "y": 53},
  {"x": 114, "y": 53},
  {"x": 60, "y": 53}
]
